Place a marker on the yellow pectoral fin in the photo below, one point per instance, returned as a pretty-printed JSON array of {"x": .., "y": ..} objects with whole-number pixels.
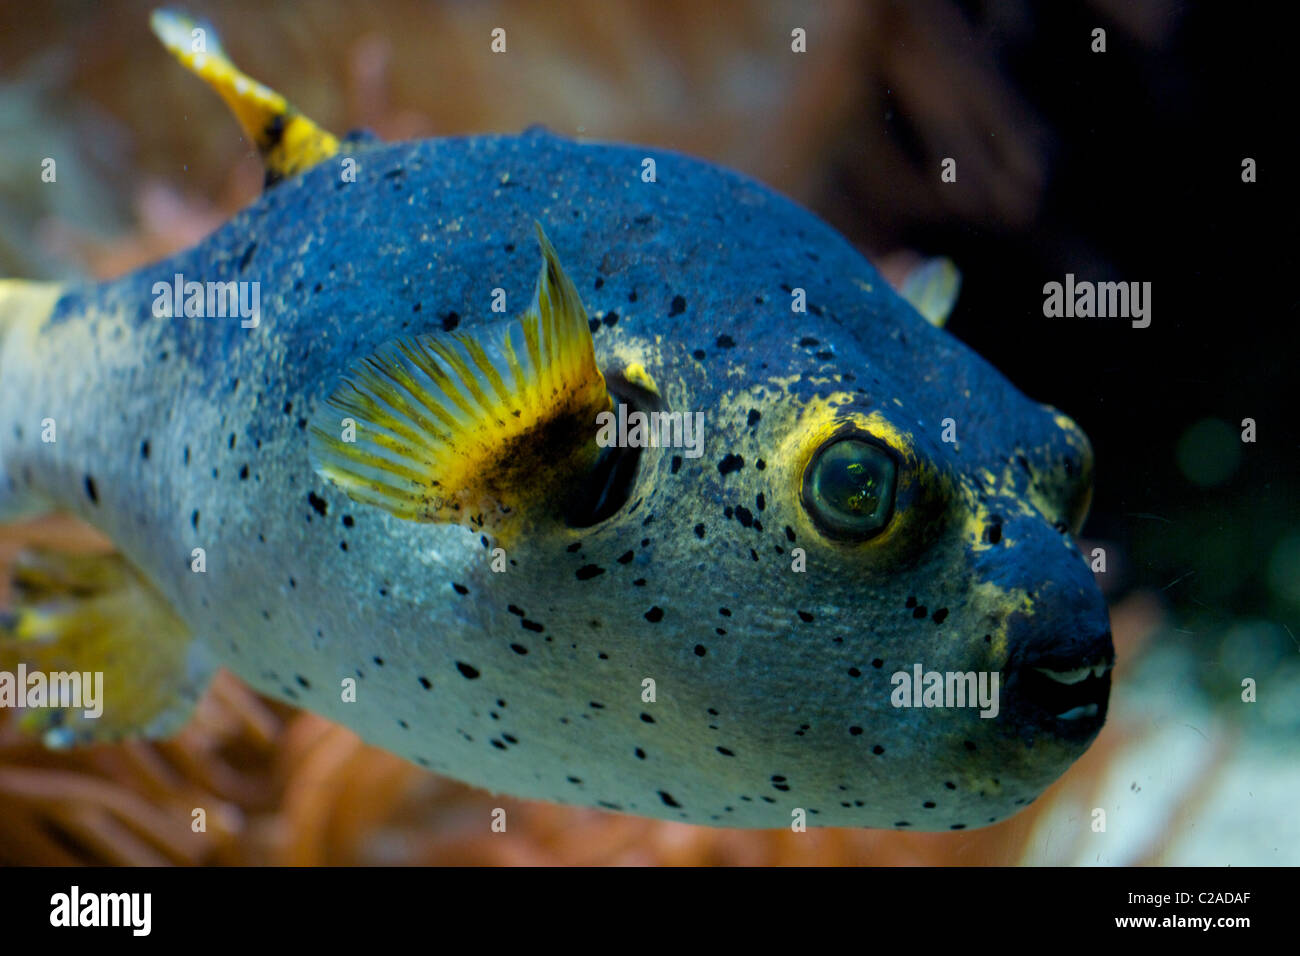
[
  {"x": 471, "y": 427},
  {"x": 288, "y": 141},
  {"x": 93, "y": 652},
  {"x": 932, "y": 289}
]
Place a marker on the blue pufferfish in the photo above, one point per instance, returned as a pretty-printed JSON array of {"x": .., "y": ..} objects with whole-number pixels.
[{"x": 383, "y": 498}]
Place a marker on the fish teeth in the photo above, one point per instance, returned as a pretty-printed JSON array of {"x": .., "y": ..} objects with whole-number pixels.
[
  {"x": 1076, "y": 675},
  {"x": 1074, "y": 713},
  {"x": 1067, "y": 677}
]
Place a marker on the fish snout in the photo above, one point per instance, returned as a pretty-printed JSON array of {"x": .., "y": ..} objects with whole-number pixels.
[{"x": 1059, "y": 672}]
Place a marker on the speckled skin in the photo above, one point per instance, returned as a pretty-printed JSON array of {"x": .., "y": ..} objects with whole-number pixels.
[{"x": 772, "y": 686}]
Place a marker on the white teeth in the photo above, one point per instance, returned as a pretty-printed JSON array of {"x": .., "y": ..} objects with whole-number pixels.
[
  {"x": 1066, "y": 677},
  {"x": 1076, "y": 675},
  {"x": 1074, "y": 713}
]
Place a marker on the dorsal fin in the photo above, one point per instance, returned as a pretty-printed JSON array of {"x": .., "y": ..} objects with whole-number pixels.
[{"x": 288, "y": 141}]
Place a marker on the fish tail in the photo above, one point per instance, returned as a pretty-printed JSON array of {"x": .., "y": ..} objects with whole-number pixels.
[{"x": 24, "y": 306}]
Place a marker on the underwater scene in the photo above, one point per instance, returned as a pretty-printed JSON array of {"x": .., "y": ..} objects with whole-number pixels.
[{"x": 645, "y": 433}]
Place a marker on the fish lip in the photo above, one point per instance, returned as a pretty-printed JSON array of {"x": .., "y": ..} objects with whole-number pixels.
[{"x": 1046, "y": 684}]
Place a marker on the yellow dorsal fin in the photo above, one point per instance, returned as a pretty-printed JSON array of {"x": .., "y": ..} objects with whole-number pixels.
[
  {"x": 470, "y": 427},
  {"x": 288, "y": 141}
]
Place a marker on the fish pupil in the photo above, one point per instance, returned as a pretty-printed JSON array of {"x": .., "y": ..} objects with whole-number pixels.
[{"x": 852, "y": 485}]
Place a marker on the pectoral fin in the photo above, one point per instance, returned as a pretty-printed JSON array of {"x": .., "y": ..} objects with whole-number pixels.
[
  {"x": 479, "y": 427},
  {"x": 92, "y": 624},
  {"x": 288, "y": 141},
  {"x": 932, "y": 288}
]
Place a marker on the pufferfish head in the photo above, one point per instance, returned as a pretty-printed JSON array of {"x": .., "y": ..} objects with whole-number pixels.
[{"x": 894, "y": 535}]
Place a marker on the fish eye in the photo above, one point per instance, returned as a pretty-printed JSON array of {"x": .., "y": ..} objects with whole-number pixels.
[{"x": 848, "y": 488}]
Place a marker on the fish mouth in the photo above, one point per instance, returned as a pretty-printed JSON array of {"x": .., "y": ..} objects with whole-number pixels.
[{"x": 1068, "y": 697}]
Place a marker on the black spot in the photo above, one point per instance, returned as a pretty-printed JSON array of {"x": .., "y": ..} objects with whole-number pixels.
[
  {"x": 699, "y": 530},
  {"x": 469, "y": 673},
  {"x": 379, "y": 661},
  {"x": 807, "y": 342},
  {"x": 754, "y": 416},
  {"x": 698, "y": 355},
  {"x": 700, "y": 650},
  {"x": 424, "y": 681},
  {"x": 667, "y": 797},
  {"x": 588, "y": 571},
  {"x": 950, "y": 785},
  {"x": 247, "y": 256},
  {"x": 958, "y": 826},
  {"x": 789, "y": 533},
  {"x": 640, "y": 754},
  {"x": 911, "y": 601},
  {"x": 725, "y": 611},
  {"x": 574, "y": 548},
  {"x": 646, "y": 718},
  {"x": 654, "y": 615},
  {"x": 319, "y": 504},
  {"x": 725, "y": 752},
  {"x": 919, "y": 611},
  {"x": 91, "y": 492},
  {"x": 348, "y": 521},
  {"x": 533, "y": 626},
  {"x": 726, "y": 342},
  {"x": 744, "y": 516},
  {"x": 144, "y": 450},
  {"x": 730, "y": 463},
  {"x": 856, "y": 731},
  {"x": 805, "y": 617},
  {"x": 519, "y": 649},
  {"x": 678, "y": 307},
  {"x": 968, "y": 744},
  {"x": 611, "y": 318},
  {"x": 994, "y": 533},
  {"x": 243, "y": 473},
  {"x": 854, "y": 672},
  {"x": 877, "y": 663},
  {"x": 877, "y": 750},
  {"x": 459, "y": 588},
  {"x": 760, "y": 502},
  {"x": 595, "y": 705},
  {"x": 302, "y": 682},
  {"x": 676, "y": 464},
  {"x": 929, "y": 804},
  {"x": 194, "y": 518},
  {"x": 626, "y": 557},
  {"x": 517, "y": 611},
  {"x": 450, "y": 321},
  {"x": 760, "y": 464},
  {"x": 573, "y": 779},
  {"x": 940, "y": 615}
]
